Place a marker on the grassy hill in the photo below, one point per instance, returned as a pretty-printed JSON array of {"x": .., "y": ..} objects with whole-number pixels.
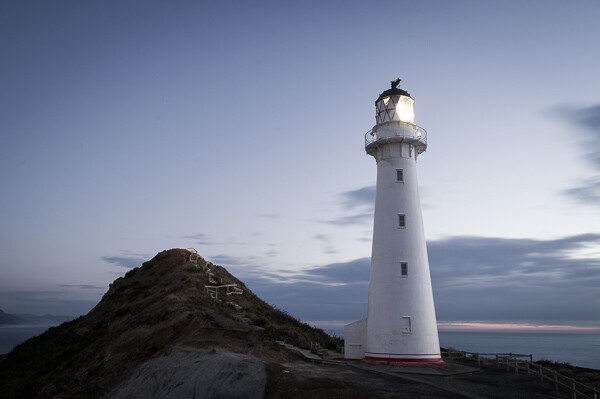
[{"x": 161, "y": 305}]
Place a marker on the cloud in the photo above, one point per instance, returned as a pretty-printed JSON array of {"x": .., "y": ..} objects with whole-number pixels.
[
  {"x": 586, "y": 191},
  {"x": 589, "y": 119},
  {"x": 270, "y": 215},
  {"x": 272, "y": 253},
  {"x": 336, "y": 291},
  {"x": 206, "y": 239},
  {"x": 343, "y": 273},
  {"x": 227, "y": 260},
  {"x": 358, "y": 218},
  {"x": 479, "y": 278},
  {"x": 241, "y": 266},
  {"x": 357, "y": 198},
  {"x": 83, "y": 286},
  {"x": 326, "y": 239},
  {"x": 358, "y": 206},
  {"x": 196, "y": 236},
  {"x": 127, "y": 260},
  {"x": 200, "y": 238},
  {"x": 474, "y": 278},
  {"x": 44, "y": 303},
  {"x": 323, "y": 237}
]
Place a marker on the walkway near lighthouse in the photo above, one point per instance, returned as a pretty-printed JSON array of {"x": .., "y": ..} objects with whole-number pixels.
[
  {"x": 440, "y": 369},
  {"x": 448, "y": 379},
  {"x": 316, "y": 380},
  {"x": 468, "y": 377}
]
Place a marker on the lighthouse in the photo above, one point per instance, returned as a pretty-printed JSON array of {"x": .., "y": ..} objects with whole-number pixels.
[{"x": 400, "y": 325}]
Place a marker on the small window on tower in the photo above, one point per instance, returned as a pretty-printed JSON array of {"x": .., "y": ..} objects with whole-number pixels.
[
  {"x": 401, "y": 221},
  {"x": 406, "y": 327},
  {"x": 399, "y": 176},
  {"x": 403, "y": 269}
]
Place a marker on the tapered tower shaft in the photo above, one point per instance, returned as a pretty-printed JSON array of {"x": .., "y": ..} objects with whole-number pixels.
[{"x": 401, "y": 323}]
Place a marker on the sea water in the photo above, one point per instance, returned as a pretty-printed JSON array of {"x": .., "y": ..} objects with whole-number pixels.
[
  {"x": 577, "y": 348},
  {"x": 11, "y": 336}
]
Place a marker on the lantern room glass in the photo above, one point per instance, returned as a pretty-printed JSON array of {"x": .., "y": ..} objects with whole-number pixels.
[
  {"x": 396, "y": 108},
  {"x": 405, "y": 109}
]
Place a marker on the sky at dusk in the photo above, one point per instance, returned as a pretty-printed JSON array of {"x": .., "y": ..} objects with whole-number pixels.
[{"x": 237, "y": 128}]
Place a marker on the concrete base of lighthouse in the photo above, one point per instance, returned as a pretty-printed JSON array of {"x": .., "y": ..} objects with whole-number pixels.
[
  {"x": 403, "y": 360},
  {"x": 355, "y": 340},
  {"x": 355, "y": 343}
]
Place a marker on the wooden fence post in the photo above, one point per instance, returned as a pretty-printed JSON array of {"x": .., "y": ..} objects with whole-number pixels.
[
  {"x": 573, "y": 388},
  {"x": 556, "y": 381},
  {"x": 541, "y": 374}
]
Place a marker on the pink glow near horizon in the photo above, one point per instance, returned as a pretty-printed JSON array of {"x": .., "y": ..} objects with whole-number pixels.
[
  {"x": 492, "y": 326},
  {"x": 477, "y": 326}
]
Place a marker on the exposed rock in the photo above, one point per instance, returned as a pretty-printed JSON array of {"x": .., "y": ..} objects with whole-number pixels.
[{"x": 187, "y": 373}]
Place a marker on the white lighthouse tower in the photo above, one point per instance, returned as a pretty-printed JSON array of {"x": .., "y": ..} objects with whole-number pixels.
[{"x": 401, "y": 323}]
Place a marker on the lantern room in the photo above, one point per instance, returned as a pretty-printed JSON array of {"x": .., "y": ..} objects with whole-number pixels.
[
  {"x": 395, "y": 105},
  {"x": 395, "y": 121}
]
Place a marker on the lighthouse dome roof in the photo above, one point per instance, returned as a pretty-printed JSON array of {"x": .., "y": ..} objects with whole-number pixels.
[{"x": 394, "y": 91}]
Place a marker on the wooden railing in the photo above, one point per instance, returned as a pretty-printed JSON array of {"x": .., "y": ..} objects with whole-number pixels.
[
  {"x": 481, "y": 357},
  {"x": 514, "y": 362},
  {"x": 229, "y": 289}
]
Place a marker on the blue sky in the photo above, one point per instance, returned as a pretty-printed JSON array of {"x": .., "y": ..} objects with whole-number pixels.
[{"x": 236, "y": 128}]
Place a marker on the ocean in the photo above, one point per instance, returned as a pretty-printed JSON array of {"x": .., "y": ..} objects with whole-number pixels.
[
  {"x": 577, "y": 348},
  {"x": 11, "y": 336}
]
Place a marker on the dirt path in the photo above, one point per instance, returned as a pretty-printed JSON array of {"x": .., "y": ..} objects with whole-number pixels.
[{"x": 303, "y": 380}]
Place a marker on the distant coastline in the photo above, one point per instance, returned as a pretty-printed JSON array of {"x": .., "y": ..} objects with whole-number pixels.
[
  {"x": 17, "y": 319},
  {"x": 18, "y": 328}
]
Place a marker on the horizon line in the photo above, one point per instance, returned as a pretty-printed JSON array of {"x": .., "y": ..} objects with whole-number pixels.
[{"x": 482, "y": 326}]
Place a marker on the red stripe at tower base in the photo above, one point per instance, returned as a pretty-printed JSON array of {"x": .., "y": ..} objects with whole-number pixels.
[{"x": 377, "y": 359}]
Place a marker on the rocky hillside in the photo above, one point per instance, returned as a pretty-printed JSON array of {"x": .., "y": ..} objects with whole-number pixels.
[{"x": 161, "y": 310}]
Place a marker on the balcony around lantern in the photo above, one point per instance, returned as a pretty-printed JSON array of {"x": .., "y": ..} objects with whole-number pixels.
[{"x": 397, "y": 131}]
